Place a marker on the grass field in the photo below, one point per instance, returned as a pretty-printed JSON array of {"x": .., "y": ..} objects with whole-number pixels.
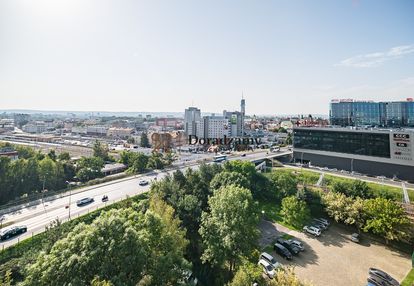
[
  {"x": 311, "y": 177},
  {"x": 272, "y": 213},
  {"x": 409, "y": 279}
]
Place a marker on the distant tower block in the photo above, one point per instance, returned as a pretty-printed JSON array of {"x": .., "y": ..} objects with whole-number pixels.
[{"x": 243, "y": 113}]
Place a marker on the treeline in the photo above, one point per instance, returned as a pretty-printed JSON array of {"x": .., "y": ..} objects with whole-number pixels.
[
  {"x": 138, "y": 162},
  {"x": 353, "y": 203},
  {"x": 33, "y": 172},
  {"x": 380, "y": 216}
]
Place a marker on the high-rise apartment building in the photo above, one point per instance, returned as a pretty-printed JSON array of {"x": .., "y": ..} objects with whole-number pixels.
[
  {"x": 192, "y": 115},
  {"x": 347, "y": 112},
  {"x": 230, "y": 124}
]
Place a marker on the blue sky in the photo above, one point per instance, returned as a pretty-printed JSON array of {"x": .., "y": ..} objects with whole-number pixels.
[{"x": 287, "y": 57}]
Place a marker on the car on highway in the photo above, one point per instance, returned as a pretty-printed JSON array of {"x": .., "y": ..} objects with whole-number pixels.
[
  {"x": 12, "y": 231},
  {"x": 282, "y": 251},
  {"x": 382, "y": 275},
  {"x": 143, "y": 182},
  {"x": 84, "y": 202},
  {"x": 268, "y": 269},
  {"x": 105, "y": 198},
  {"x": 297, "y": 243},
  {"x": 312, "y": 230},
  {"x": 270, "y": 259},
  {"x": 243, "y": 155},
  {"x": 289, "y": 246}
]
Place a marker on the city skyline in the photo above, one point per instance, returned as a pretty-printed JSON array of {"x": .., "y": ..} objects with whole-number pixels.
[{"x": 286, "y": 58}]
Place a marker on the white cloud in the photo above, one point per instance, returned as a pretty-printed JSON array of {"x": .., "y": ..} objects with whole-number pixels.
[{"x": 376, "y": 59}]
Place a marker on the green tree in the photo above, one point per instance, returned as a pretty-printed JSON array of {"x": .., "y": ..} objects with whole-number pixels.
[
  {"x": 100, "y": 150},
  {"x": 360, "y": 189},
  {"x": 144, "y": 140},
  {"x": 286, "y": 277},
  {"x": 140, "y": 163},
  {"x": 89, "y": 168},
  {"x": 259, "y": 185},
  {"x": 284, "y": 183},
  {"x": 384, "y": 217},
  {"x": 289, "y": 139},
  {"x": 51, "y": 174},
  {"x": 120, "y": 247},
  {"x": 98, "y": 282},
  {"x": 52, "y": 155},
  {"x": 336, "y": 205},
  {"x": 127, "y": 157},
  {"x": 295, "y": 212},
  {"x": 229, "y": 230},
  {"x": 5, "y": 179},
  {"x": 355, "y": 213},
  {"x": 227, "y": 178},
  {"x": 64, "y": 156},
  {"x": 7, "y": 279},
  {"x": 247, "y": 274},
  {"x": 155, "y": 161}
]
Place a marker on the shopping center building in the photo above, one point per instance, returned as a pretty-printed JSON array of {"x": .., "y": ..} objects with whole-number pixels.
[{"x": 378, "y": 152}]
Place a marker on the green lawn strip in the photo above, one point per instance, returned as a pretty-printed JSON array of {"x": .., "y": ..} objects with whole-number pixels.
[
  {"x": 272, "y": 213},
  {"x": 409, "y": 279},
  {"x": 311, "y": 177},
  {"x": 35, "y": 243}
]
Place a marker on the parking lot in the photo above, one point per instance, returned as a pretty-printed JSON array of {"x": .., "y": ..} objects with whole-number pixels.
[{"x": 333, "y": 259}]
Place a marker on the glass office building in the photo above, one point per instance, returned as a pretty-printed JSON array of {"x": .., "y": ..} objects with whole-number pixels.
[
  {"x": 369, "y": 113},
  {"x": 377, "y": 152},
  {"x": 357, "y": 143}
]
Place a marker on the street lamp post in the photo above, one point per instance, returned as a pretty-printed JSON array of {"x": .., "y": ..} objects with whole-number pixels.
[
  {"x": 70, "y": 197},
  {"x": 352, "y": 165}
]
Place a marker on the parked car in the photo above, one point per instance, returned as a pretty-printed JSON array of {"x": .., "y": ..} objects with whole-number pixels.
[
  {"x": 322, "y": 220},
  {"x": 374, "y": 272},
  {"x": 376, "y": 281},
  {"x": 319, "y": 225},
  {"x": 12, "y": 231},
  {"x": 143, "y": 182},
  {"x": 267, "y": 257},
  {"x": 312, "y": 230},
  {"x": 291, "y": 247},
  {"x": 267, "y": 268},
  {"x": 84, "y": 201},
  {"x": 297, "y": 243},
  {"x": 355, "y": 237},
  {"x": 282, "y": 251}
]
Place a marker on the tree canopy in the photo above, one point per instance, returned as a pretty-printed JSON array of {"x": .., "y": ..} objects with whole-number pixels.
[
  {"x": 151, "y": 243},
  {"x": 229, "y": 230}
]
